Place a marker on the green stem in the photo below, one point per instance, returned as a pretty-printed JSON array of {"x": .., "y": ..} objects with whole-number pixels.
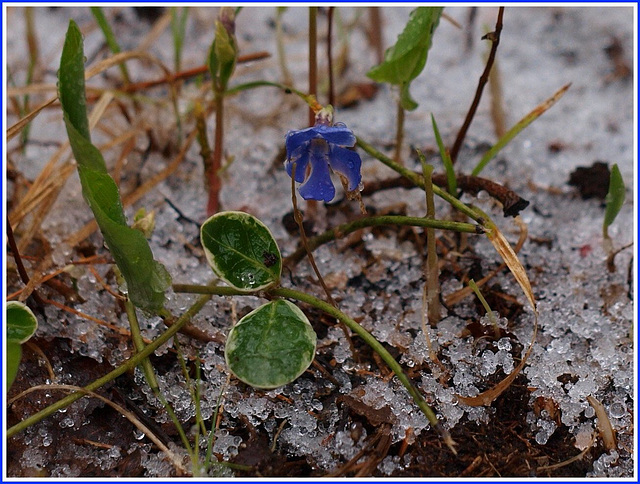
[
  {"x": 150, "y": 375},
  {"x": 127, "y": 366},
  {"x": 368, "y": 338},
  {"x": 399, "y": 133},
  {"x": 309, "y": 99},
  {"x": 487, "y": 308},
  {"x": 419, "y": 181},
  {"x": 354, "y": 326},
  {"x": 212, "y": 433},
  {"x": 349, "y": 227}
]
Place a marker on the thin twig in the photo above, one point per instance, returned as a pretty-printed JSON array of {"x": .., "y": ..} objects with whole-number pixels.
[
  {"x": 16, "y": 256},
  {"x": 484, "y": 78},
  {"x": 175, "y": 459},
  {"x": 297, "y": 215},
  {"x": 129, "y": 365}
]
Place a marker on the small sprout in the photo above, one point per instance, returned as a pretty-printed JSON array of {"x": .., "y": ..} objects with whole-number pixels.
[
  {"x": 144, "y": 222},
  {"x": 321, "y": 147},
  {"x": 490, "y": 314},
  {"x": 614, "y": 199}
]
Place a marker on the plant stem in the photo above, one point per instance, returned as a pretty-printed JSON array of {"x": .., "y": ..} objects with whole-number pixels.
[
  {"x": 214, "y": 179},
  {"x": 368, "y": 338},
  {"x": 329, "y": 55},
  {"x": 432, "y": 284},
  {"x": 313, "y": 58},
  {"x": 399, "y": 133},
  {"x": 375, "y": 221},
  {"x": 309, "y": 99},
  {"x": 487, "y": 308},
  {"x": 19, "y": 264},
  {"x": 282, "y": 58},
  {"x": 375, "y": 33},
  {"x": 127, "y": 366},
  {"x": 351, "y": 324},
  {"x": 150, "y": 375},
  {"x": 417, "y": 180},
  {"x": 495, "y": 39}
]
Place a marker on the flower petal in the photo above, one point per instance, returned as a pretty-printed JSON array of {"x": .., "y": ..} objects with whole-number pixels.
[
  {"x": 319, "y": 185},
  {"x": 337, "y": 134},
  {"x": 347, "y": 163},
  {"x": 301, "y": 158},
  {"x": 296, "y": 138}
]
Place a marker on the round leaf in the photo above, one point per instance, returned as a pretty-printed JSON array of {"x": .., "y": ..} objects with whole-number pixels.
[
  {"x": 21, "y": 322},
  {"x": 241, "y": 250},
  {"x": 271, "y": 346}
]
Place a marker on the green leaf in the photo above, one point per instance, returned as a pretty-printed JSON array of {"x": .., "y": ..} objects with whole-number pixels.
[
  {"x": 406, "y": 101},
  {"x": 147, "y": 279},
  {"x": 615, "y": 197},
  {"x": 271, "y": 346},
  {"x": 21, "y": 322},
  {"x": 452, "y": 183},
  {"x": 71, "y": 81},
  {"x": 406, "y": 59},
  {"x": 14, "y": 355},
  {"x": 21, "y": 325},
  {"x": 241, "y": 250}
]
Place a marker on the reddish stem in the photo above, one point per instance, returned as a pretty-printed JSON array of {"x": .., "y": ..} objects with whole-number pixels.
[
  {"x": 213, "y": 204},
  {"x": 495, "y": 38}
]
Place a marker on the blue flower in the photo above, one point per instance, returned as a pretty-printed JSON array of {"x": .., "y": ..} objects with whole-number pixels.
[{"x": 322, "y": 147}]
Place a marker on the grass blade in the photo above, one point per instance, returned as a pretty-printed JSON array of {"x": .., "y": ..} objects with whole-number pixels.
[
  {"x": 519, "y": 126},
  {"x": 452, "y": 183},
  {"x": 615, "y": 199},
  {"x": 110, "y": 38}
]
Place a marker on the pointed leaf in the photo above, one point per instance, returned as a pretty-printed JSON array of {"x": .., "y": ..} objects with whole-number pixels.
[
  {"x": 146, "y": 278},
  {"x": 452, "y": 182},
  {"x": 615, "y": 196},
  {"x": 405, "y": 60},
  {"x": 241, "y": 250},
  {"x": 271, "y": 346}
]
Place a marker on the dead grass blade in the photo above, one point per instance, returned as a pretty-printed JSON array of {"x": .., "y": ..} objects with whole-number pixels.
[
  {"x": 121, "y": 57},
  {"x": 487, "y": 397},
  {"x": 510, "y": 258},
  {"x": 14, "y": 130},
  {"x": 604, "y": 424},
  {"x": 172, "y": 456},
  {"x": 573, "y": 459},
  {"x": 46, "y": 188},
  {"x": 466, "y": 291}
]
